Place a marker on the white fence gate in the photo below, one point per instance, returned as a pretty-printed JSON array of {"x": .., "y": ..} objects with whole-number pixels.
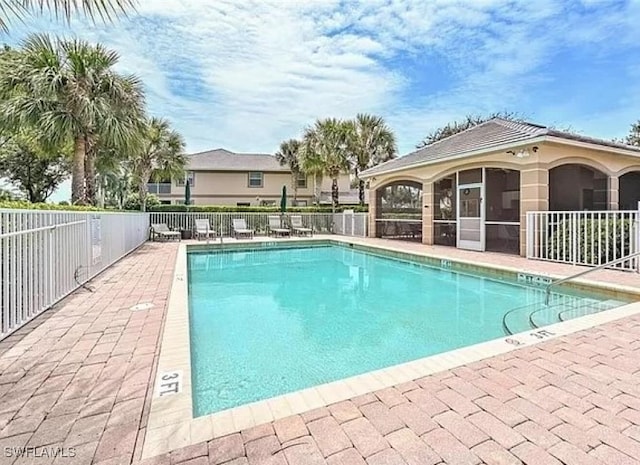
[
  {"x": 589, "y": 238},
  {"x": 45, "y": 255},
  {"x": 349, "y": 223}
]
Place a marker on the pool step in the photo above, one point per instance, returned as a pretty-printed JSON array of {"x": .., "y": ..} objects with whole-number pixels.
[
  {"x": 599, "y": 306},
  {"x": 564, "y": 308}
]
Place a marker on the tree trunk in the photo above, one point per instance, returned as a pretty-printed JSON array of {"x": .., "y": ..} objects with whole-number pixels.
[
  {"x": 142, "y": 194},
  {"x": 361, "y": 191},
  {"x": 294, "y": 187},
  {"x": 317, "y": 186},
  {"x": 334, "y": 193},
  {"x": 142, "y": 190},
  {"x": 102, "y": 188},
  {"x": 77, "y": 175},
  {"x": 90, "y": 174},
  {"x": 32, "y": 196},
  {"x": 122, "y": 197}
]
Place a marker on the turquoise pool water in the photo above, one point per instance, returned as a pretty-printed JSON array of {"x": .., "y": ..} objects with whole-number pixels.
[{"x": 267, "y": 322}]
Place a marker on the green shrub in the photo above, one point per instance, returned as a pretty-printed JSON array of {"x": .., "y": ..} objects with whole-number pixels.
[
  {"x": 599, "y": 241},
  {"x": 415, "y": 211},
  {"x": 133, "y": 202},
  {"x": 401, "y": 216},
  {"x": 153, "y": 205},
  {"x": 24, "y": 205},
  {"x": 231, "y": 208}
]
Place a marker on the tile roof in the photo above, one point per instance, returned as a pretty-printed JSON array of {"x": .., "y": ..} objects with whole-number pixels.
[
  {"x": 224, "y": 160},
  {"x": 492, "y": 133}
]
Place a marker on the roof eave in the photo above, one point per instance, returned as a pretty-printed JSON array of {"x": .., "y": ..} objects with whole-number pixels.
[
  {"x": 497, "y": 148},
  {"x": 593, "y": 145},
  {"x": 472, "y": 153},
  {"x": 239, "y": 170}
]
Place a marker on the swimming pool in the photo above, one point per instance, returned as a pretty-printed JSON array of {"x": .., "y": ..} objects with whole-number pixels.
[{"x": 268, "y": 321}]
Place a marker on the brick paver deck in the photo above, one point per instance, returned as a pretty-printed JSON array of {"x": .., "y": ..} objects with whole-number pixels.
[{"x": 80, "y": 376}]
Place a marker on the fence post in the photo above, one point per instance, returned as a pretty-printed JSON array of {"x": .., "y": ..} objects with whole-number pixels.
[
  {"x": 636, "y": 224},
  {"x": 528, "y": 224},
  {"x": 574, "y": 237}
]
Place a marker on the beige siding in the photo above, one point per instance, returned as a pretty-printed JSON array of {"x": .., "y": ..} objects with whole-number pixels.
[
  {"x": 344, "y": 183},
  {"x": 230, "y": 188}
]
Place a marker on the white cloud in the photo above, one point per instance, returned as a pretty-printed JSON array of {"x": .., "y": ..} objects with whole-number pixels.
[{"x": 245, "y": 75}]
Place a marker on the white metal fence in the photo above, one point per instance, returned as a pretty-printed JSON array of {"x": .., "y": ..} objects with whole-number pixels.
[
  {"x": 45, "y": 255},
  {"x": 584, "y": 237},
  {"x": 346, "y": 224}
]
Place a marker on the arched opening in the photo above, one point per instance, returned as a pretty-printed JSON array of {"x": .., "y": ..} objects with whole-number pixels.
[
  {"x": 629, "y": 190},
  {"x": 399, "y": 211},
  {"x": 576, "y": 187}
]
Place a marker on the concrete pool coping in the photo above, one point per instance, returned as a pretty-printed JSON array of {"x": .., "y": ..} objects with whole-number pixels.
[{"x": 171, "y": 424}]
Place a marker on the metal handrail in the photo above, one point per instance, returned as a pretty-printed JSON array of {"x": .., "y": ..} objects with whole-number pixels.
[
  {"x": 582, "y": 273},
  {"x": 42, "y": 228}
]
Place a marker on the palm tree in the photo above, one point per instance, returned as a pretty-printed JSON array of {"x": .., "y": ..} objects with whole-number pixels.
[
  {"x": 326, "y": 146},
  {"x": 113, "y": 177},
  {"x": 289, "y": 155},
  {"x": 161, "y": 156},
  {"x": 115, "y": 187},
  {"x": 93, "y": 9},
  {"x": 68, "y": 90},
  {"x": 372, "y": 142},
  {"x": 312, "y": 164}
]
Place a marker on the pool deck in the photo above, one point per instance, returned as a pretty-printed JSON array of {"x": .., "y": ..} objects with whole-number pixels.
[{"x": 81, "y": 375}]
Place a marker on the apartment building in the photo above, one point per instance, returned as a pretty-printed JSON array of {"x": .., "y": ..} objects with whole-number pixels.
[{"x": 222, "y": 177}]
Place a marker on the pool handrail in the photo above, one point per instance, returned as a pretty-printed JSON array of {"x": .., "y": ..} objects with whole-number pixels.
[{"x": 582, "y": 273}]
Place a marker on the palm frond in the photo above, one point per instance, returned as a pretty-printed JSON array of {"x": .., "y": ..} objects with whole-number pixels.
[
  {"x": 10, "y": 9},
  {"x": 106, "y": 10}
]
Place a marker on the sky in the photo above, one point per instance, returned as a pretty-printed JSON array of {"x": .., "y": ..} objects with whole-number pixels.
[{"x": 245, "y": 75}]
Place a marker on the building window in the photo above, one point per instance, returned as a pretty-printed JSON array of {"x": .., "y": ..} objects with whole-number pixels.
[
  {"x": 243, "y": 204},
  {"x": 159, "y": 188},
  {"x": 300, "y": 203},
  {"x": 191, "y": 176},
  {"x": 301, "y": 181},
  {"x": 255, "y": 179}
]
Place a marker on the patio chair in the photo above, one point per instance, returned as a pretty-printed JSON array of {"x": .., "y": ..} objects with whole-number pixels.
[
  {"x": 204, "y": 229},
  {"x": 275, "y": 227},
  {"x": 162, "y": 231},
  {"x": 297, "y": 226},
  {"x": 240, "y": 228}
]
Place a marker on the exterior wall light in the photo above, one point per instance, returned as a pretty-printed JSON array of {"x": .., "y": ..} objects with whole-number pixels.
[{"x": 523, "y": 153}]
